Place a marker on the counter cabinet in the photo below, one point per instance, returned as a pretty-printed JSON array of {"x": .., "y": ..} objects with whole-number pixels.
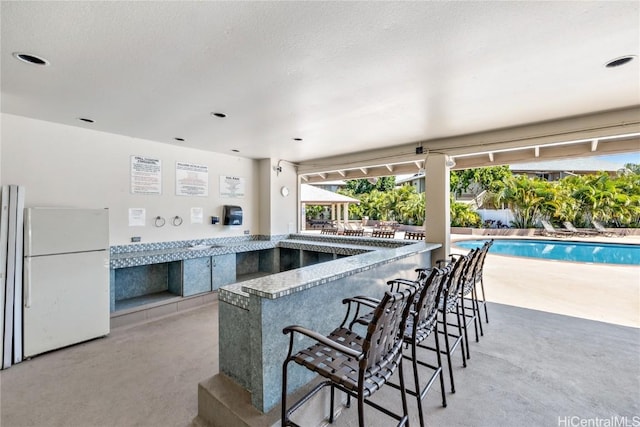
[{"x": 145, "y": 284}]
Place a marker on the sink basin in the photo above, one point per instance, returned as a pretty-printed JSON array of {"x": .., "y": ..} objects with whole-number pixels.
[{"x": 202, "y": 247}]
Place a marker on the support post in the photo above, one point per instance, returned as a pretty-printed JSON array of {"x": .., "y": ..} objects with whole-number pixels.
[
  {"x": 345, "y": 207},
  {"x": 303, "y": 216},
  {"x": 437, "y": 210}
]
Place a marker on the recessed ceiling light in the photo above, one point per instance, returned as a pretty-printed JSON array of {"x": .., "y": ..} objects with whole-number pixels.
[
  {"x": 84, "y": 119},
  {"x": 179, "y": 139},
  {"x": 297, "y": 139},
  {"x": 30, "y": 59},
  {"x": 619, "y": 61},
  {"x": 235, "y": 151},
  {"x": 221, "y": 115}
]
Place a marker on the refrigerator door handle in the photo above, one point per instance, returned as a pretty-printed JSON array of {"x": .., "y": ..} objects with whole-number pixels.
[{"x": 27, "y": 281}]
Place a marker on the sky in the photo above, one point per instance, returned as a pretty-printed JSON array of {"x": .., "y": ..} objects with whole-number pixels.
[
  {"x": 611, "y": 162},
  {"x": 622, "y": 159}
]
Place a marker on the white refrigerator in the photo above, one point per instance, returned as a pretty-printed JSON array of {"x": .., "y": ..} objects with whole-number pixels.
[{"x": 66, "y": 277}]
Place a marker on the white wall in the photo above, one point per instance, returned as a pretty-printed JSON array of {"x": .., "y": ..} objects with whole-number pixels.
[
  {"x": 1, "y": 134},
  {"x": 74, "y": 167},
  {"x": 284, "y": 208},
  {"x": 503, "y": 215},
  {"x": 264, "y": 187},
  {"x": 278, "y": 213}
]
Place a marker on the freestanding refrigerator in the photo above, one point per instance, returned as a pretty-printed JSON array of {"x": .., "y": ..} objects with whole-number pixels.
[{"x": 66, "y": 277}]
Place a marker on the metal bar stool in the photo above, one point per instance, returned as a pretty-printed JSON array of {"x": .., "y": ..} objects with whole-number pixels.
[{"x": 358, "y": 366}]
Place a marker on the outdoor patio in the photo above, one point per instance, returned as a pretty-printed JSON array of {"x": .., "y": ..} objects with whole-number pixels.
[{"x": 543, "y": 360}]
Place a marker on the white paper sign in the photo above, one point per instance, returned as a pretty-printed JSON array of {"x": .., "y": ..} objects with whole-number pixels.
[
  {"x": 146, "y": 175},
  {"x": 197, "y": 214},
  {"x": 192, "y": 180},
  {"x": 137, "y": 217},
  {"x": 231, "y": 186}
]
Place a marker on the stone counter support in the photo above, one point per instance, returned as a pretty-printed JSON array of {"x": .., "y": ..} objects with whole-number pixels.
[{"x": 252, "y": 346}]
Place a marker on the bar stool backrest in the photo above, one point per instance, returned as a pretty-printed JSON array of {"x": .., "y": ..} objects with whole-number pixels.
[
  {"x": 426, "y": 305},
  {"x": 383, "y": 342},
  {"x": 455, "y": 280}
]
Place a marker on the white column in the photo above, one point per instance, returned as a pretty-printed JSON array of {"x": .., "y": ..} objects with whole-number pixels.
[
  {"x": 346, "y": 213},
  {"x": 437, "y": 222}
]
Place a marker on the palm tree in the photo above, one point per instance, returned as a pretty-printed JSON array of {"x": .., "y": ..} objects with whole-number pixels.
[
  {"x": 525, "y": 197},
  {"x": 412, "y": 209},
  {"x": 462, "y": 215}
]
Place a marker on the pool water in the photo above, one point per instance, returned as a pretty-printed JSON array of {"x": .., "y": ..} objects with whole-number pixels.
[{"x": 606, "y": 253}]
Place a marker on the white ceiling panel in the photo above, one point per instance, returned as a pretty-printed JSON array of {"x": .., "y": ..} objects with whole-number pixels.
[{"x": 343, "y": 76}]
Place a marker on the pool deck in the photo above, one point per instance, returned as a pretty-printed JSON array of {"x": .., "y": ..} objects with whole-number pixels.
[{"x": 603, "y": 292}]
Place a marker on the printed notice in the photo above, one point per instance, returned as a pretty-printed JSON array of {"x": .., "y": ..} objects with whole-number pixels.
[
  {"x": 137, "y": 217},
  {"x": 146, "y": 175},
  {"x": 192, "y": 180},
  {"x": 231, "y": 186},
  {"x": 197, "y": 215}
]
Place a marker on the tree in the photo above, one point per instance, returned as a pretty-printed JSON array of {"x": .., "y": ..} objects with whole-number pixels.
[
  {"x": 463, "y": 216},
  {"x": 579, "y": 199},
  {"x": 312, "y": 211},
  {"x": 630, "y": 168},
  {"x": 362, "y": 186},
  {"x": 525, "y": 197},
  {"x": 461, "y": 180},
  {"x": 613, "y": 200},
  {"x": 372, "y": 205},
  {"x": 413, "y": 209}
]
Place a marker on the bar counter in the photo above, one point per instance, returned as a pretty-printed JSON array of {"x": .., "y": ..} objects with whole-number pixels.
[{"x": 253, "y": 313}]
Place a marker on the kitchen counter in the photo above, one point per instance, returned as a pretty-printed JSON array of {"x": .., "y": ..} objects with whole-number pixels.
[
  {"x": 164, "y": 270},
  {"x": 157, "y": 256},
  {"x": 156, "y": 253}
]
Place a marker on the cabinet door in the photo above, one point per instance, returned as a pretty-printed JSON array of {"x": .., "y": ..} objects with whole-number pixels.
[
  {"x": 196, "y": 277},
  {"x": 223, "y": 270}
]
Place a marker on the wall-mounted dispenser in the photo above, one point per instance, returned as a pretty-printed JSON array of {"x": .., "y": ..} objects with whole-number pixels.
[
  {"x": 232, "y": 215},
  {"x": 215, "y": 220}
]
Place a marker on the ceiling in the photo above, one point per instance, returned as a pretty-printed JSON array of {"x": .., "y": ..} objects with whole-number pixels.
[{"x": 344, "y": 76}]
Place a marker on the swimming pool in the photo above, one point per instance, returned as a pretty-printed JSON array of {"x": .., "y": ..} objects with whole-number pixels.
[{"x": 606, "y": 253}]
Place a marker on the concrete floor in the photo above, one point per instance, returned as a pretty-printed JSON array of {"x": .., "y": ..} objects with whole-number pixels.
[{"x": 532, "y": 367}]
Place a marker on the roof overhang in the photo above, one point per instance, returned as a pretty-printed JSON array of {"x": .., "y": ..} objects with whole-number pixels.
[{"x": 608, "y": 132}]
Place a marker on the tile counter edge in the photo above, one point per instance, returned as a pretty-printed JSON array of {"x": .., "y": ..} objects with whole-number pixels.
[{"x": 289, "y": 282}]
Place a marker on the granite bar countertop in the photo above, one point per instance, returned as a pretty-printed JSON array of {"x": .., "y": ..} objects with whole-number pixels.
[
  {"x": 288, "y": 282},
  {"x": 157, "y": 256},
  {"x": 161, "y": 252},
  {"x": 327, "y": 247}
]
